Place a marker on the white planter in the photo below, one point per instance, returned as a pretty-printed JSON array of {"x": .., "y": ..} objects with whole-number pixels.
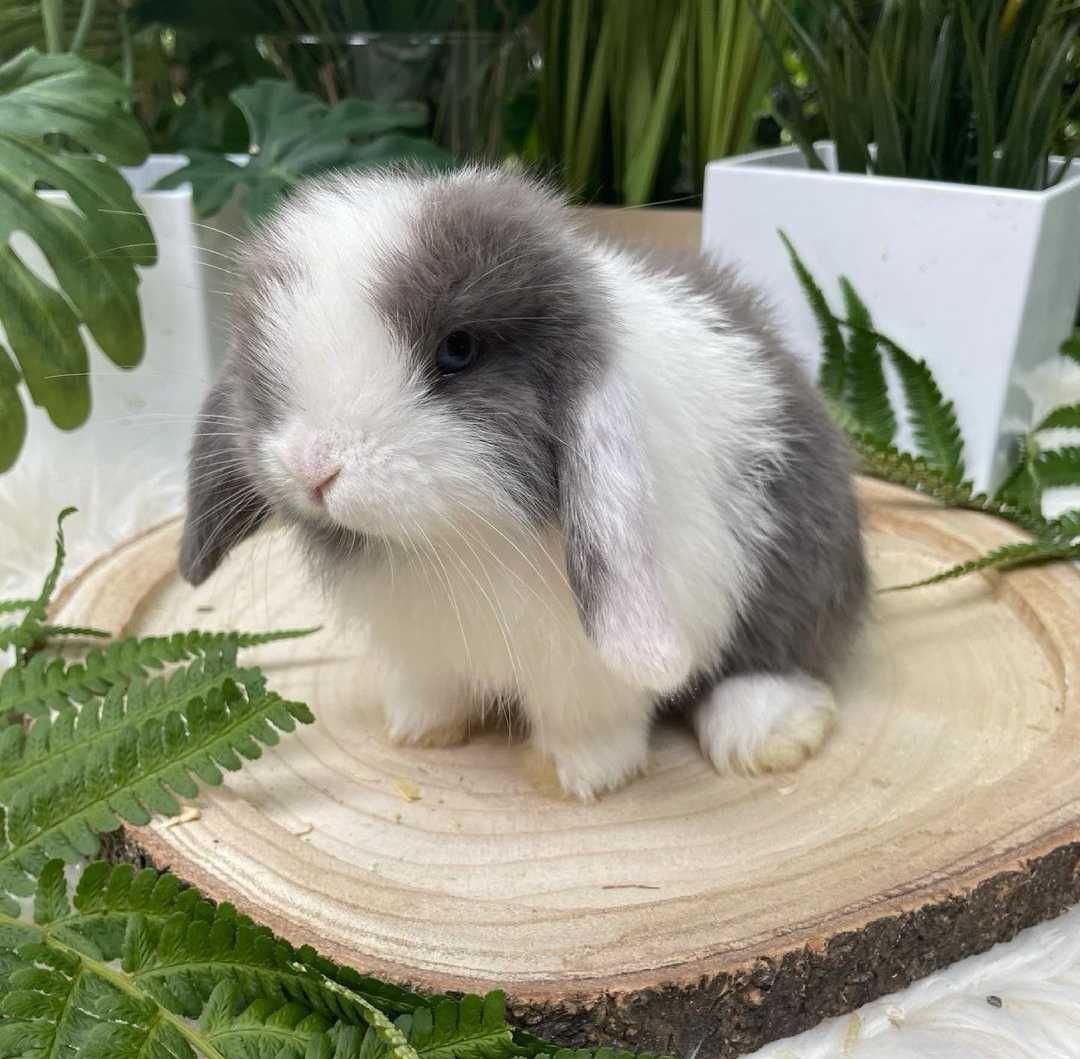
[
  {"x": 148, "y": 412},
  {"x": 981, "y": 282}
]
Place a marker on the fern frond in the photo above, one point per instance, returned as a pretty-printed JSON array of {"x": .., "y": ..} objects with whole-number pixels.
[
  {"x": 60, "y": 740},
  {"x": 833, "y": 373},
  {"x": 137, "y": 775},
  {"x": 1067, "y": 416},
  {"x": 184, "y": 958},
  {"x": 1009, "y": 556},
  {"x": 1022, "y": 488},
  {"x": 902, "y": 468},
  {"x": 33, "y": 637},
  {"x": 867, "y": 390},
  {"x": 14, "y": 606},
  {"x": 1071, "y": 347},
  {"x": 29, "y": 633},
  {"x": 475, "y": 1028},
  {"x": 1059, "y": 468},
  {"x": 37, "y": 611},
  {"x": 264, "y": 1027},
  {"x": 933, "y": 418},
  {"x": 45, "y": 683},
  {"x": 1066, "y": 527}
]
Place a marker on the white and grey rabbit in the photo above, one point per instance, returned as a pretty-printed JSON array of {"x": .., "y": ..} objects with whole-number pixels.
[{"x": 541, "y": 469}]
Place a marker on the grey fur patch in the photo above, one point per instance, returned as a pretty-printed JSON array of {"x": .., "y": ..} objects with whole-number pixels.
[
  {"x": 224, "y": 505},
  {"x": 492, "y": 258},
  {"x": 812, "y": 597},
  {"x": 225, "y": 501}
]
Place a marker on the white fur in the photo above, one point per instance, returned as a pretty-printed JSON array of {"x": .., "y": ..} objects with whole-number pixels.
[
  {"x": 764, "y": 722},
  {"x": 470, "y": 604}
]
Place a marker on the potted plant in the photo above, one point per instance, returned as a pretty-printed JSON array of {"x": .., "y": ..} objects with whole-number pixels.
[
  {"x": 939, "y": 190},
  {"x": 461, "y": 59},
  {"x": 636, "y": 97},
  {"x": 70, "y": 253},
  {"x": 127, "y": 278}
]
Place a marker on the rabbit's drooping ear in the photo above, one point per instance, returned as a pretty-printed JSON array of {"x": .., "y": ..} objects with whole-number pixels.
[
  {"x": 605, "y": 499},
  {"x": 223, "y": 505}
]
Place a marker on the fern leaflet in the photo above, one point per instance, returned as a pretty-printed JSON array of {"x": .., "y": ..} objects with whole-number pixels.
[
  {"x": 178, "y": 956},
  {"x": 48, "y": 683},
  {"x": 133, "y": 777},
  {"x": 69, "y": 735},
  {"x": 1022, "y": 553},
  {"x": 1067, "y": 416},
  {"x": 1071, "y": 347},
  {"x": 14, "y": 606},
  {"x": 933, "y": 419},
  {"x": 833, "y": 352},
  {"x": 1059, "y": 468},
  {"x": 867, "y": 389}
]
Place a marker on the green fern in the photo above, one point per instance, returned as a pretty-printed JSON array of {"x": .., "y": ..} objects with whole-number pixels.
[
  {"x": 67, "y": 736},
  {"x": 1059, "y": 468},
  {"x": 49, "y": 683},
  {"x": 1071, "y": 347},
  {"x": 198, "y": 979},
  {"x": 139, "y": 772},
  {"x": 1022, "y": 553},
  {"x": 1067, "y": 416},
  {"x": 933, "y": 419},
  {"x": 34, "y": 629},
  {"x": 867, "y": 388},
  {"x": 832, "y": 378},
  {"x": 862, "y": 409},
  {"x": 132, "y": 964}
]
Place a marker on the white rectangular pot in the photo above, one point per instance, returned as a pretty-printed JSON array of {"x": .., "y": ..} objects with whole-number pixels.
[
  {"x": 148, "y": 412},
  {"x": 983, "y": 283}
]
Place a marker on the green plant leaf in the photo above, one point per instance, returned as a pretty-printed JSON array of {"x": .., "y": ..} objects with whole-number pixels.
[
  {"x": 933, "y": 419},
  {"x": 12, "y": 412},
  {"x": 1066, "y": 416},
  {"x": 67, "y": 737},
  {"x": 933, "y": 90},
  {"x": 1007, "y": 557},
  {"x": 1022, "y": 487},
  {"x": 293, "y": 136},
  {"x": 138, "y": 774},
  {"x": 41, "y": 94},
  {"x": 1071, "y": 347},
  {"x": 867, "y": 389},
  {"x": 92, "y": 249},
  {"x": 47, "y": 682},
  {"x": 885, "y": 461},
  {"x": 1059, "y": 468},
  {"x": 833, "y": 374}
]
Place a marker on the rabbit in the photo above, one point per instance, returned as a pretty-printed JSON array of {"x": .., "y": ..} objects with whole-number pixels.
[{"x": 540, "y": 469}]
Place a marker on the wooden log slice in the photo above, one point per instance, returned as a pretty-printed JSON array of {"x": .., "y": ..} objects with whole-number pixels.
[{"x": 690, "y": 912}]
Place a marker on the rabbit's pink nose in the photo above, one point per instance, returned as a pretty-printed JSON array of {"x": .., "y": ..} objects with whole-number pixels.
[
  {"x": 315, "y": 468},
  {"x": 318, "y": 487}
]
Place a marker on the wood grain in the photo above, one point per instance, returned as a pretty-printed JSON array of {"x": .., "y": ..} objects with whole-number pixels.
[{"x": 690, "y": 910}]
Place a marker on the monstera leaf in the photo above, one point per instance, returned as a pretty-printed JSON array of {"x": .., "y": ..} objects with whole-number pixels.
[
  {"x": 53, "y": 109},
  {"x": 294, "y": 135}
]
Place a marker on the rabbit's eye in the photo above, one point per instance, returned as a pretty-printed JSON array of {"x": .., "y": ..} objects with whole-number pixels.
[{"x": 456, "y": 352}]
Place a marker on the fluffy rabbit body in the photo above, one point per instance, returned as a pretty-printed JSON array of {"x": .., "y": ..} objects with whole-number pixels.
[{"x": 539, "y": 469}]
